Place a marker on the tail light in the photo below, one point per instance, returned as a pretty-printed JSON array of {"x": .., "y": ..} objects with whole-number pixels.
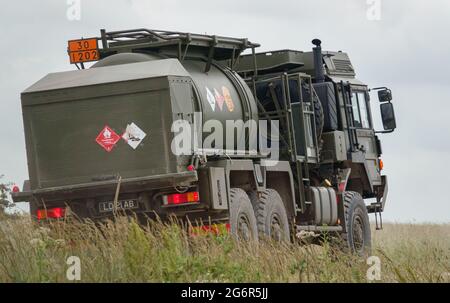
[
  {"x": 52, "y": 213},
  {"x": 176, "y": 199}
]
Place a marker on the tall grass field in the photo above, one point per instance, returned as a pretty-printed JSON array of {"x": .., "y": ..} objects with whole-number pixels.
[{"x": 124, "y": 251}]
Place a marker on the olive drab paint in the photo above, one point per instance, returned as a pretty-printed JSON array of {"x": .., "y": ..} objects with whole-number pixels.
[{"x": 102, "y": 139}]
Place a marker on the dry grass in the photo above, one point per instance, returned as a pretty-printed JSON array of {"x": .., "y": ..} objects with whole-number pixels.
[
  {"x": 414, "y": 253},
  {"x": 125, "y": 252}
]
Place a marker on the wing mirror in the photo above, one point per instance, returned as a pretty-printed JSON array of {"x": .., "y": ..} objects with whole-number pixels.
[
  {"x": 388, "y": 116},
  {"x": 387, "y": 109},
  {"x": 385, "y": 95}
]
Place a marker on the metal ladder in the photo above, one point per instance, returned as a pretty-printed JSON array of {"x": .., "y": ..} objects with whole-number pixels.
[
  {"x": 349, "y": 116},
  {"x": 283, "y": 112},
  {"x": 306, "y": 115}
]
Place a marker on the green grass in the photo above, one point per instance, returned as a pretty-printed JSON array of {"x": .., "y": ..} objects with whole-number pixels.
[{"x": 125, "y": 252}]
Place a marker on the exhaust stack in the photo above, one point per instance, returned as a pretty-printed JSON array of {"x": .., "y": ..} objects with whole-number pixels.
[{"x": 318, "y": 62}]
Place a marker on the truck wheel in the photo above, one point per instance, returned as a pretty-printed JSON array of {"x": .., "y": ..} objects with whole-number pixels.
[
  {"x": 242, "y": 217},
  {"x": 271, "y": 215},
  {"x": 357, "y": 239}
]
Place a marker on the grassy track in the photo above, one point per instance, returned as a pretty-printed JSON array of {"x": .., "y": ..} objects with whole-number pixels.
[{"x": 123, "y": 251}]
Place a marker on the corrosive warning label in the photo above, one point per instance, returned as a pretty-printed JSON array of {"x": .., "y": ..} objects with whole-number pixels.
[{"x": 133, "y": 135}]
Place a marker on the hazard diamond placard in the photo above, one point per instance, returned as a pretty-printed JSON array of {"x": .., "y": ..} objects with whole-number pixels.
[
  {"x": 133, "y": 135},
  {"x": 107, "y": 138}
]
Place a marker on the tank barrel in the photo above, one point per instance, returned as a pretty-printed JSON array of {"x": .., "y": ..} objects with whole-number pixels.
[{"x": 318, "y": 62}]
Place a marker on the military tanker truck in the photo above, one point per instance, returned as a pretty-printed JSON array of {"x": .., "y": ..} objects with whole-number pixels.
[{"x": 204, "y": 128}]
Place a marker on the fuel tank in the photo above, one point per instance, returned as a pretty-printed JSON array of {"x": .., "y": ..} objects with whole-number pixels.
[
  {"x": 221, "y": 94},
  {"x": 116, "y": 118}
]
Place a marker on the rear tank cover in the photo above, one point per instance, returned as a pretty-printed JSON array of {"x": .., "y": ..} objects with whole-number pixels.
[{"x": 223, "y": 94}]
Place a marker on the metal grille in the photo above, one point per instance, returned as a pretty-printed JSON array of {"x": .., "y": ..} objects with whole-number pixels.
[{"x": 343, "y": 65}]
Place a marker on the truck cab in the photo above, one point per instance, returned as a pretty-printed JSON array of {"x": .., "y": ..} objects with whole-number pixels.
[{"x": 349, "y": 145}]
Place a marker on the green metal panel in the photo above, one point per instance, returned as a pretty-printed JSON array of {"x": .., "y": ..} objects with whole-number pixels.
[
  {"x": 62, "y": 124},
  {"x": 271, "y": 62},
  {"x": 64, "y": 138},
  {"x": 65, "y": 112},
  {"x": 109, "y": 74},
  {"x": 239, "y": 106}
]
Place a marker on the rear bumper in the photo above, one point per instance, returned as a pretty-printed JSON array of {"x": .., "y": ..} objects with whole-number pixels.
[{"x": 97, "y": 188}]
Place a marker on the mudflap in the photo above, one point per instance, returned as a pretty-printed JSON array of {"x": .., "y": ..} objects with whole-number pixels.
[{"x": 378, "y": 207}]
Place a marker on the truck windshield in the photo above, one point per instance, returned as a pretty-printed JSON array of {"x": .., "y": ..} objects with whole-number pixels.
[
  {"x": 360, "y": 113},
  {"x": 363, "y": 110},
  {"x": 355, "y": 109}
]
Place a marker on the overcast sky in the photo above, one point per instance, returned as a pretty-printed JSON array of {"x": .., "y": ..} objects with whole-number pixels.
[{"x": 407, "y": 50}]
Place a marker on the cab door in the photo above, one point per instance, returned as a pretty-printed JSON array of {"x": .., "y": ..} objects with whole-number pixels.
[{"x": 362, "y": 118}]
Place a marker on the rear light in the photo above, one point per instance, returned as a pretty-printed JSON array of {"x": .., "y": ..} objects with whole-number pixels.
[
  {"x": 15, "y": 189},
  {"x": 175, "y": 199},
  {"x": 191, "y": 168},
  {"x": 52, "y": 213}
]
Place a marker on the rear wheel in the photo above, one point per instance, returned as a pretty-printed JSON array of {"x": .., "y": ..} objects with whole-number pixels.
[
  {"x": 271, "y": 215},
  {"x": 357, "y": 238},
  {"x": 242, "y": 217}
]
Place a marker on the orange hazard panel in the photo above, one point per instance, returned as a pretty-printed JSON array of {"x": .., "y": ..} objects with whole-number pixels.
[
  {"x": 83, "y": 50},
  {"x": 84, "y": 56}
]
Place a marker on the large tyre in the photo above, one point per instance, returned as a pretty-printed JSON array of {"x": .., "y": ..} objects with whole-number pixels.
[
  {"x": 357, "y": 238},
  {"x": 318, "y": 116},
  {"x": 271, "y": 215},
  {"x": 242, "y": 217}
]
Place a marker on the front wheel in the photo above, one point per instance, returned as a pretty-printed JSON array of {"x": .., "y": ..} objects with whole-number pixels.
[{"x": 357, "y": 238}]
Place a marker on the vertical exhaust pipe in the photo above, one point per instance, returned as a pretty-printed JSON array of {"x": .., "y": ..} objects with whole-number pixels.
[{"x": 319, "y": 74}]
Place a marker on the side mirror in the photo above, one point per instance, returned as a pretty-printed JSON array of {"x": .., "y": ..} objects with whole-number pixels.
[
  {"x": 388, "y": 116},
  {"x": 385, "y": 95}
]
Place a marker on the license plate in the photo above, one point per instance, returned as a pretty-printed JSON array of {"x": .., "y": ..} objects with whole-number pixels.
[{"x": 119, "y": 205}]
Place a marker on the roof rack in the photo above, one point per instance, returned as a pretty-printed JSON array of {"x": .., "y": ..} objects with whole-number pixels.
[
  {"x": 270, "y": 62},
  {"x": 175, "y": 44}
]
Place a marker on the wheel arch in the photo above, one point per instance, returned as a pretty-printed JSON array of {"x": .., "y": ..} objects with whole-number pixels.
[{"x": 280, "y": 178}]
